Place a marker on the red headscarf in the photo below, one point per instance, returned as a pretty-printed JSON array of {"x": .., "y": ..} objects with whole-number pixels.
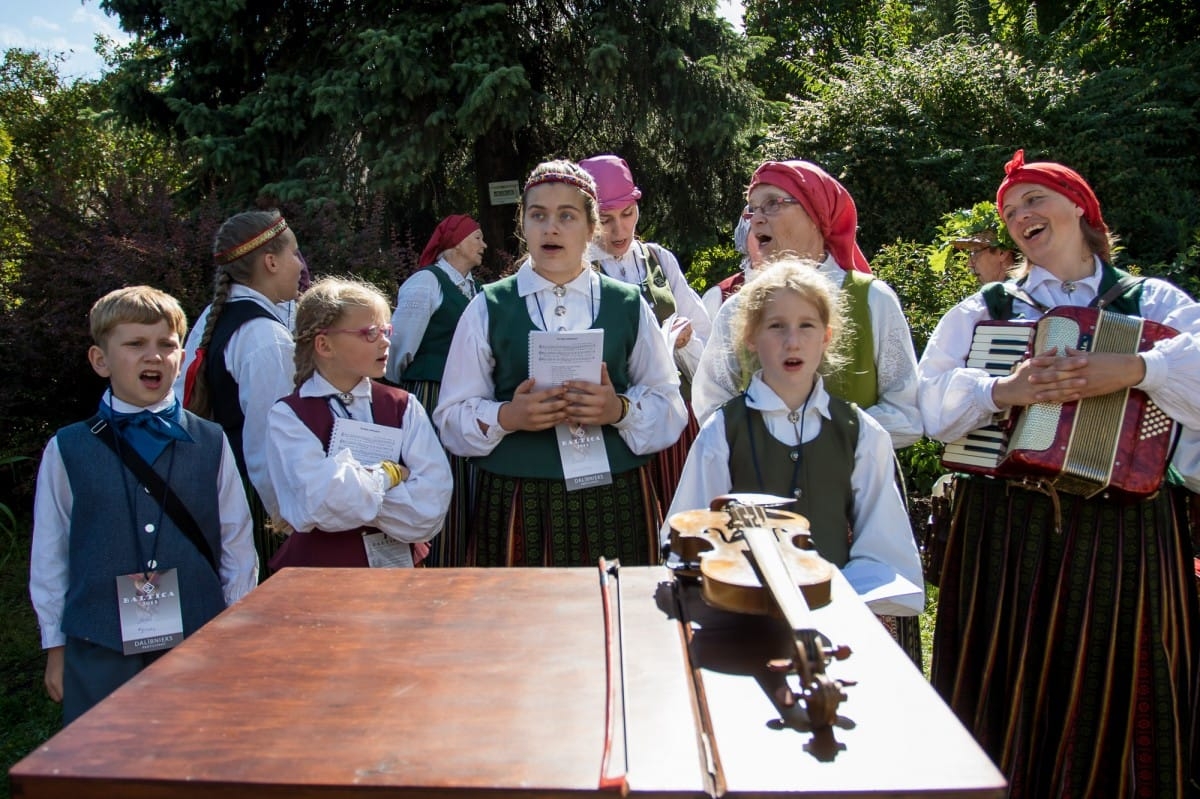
[
  {"x": 1056, "y": 177},
  {"x": 449, "y": 233},
  {"x": 825, "y": 201}
]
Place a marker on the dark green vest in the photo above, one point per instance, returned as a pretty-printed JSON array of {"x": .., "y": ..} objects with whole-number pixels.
[
  {"x": 523, "y": 453},
  {"x": 1000, "y": 303},
  {"x": 758, "y": 463},
  {"x": 858, "y": 380},
  {"x": 429, "y": 361}
]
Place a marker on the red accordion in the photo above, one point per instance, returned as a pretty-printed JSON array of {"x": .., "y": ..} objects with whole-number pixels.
[{"x": 1120, "y": 441}]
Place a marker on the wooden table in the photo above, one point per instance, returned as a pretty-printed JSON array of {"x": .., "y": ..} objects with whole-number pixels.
[{"x": 491, "y": 682}]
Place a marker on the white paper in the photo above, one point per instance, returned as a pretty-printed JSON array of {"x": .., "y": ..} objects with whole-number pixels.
[
  {"x": 555, "y": 358},
  {"x": 368, "y": 443},
  {"x": 385, "y": 552}
]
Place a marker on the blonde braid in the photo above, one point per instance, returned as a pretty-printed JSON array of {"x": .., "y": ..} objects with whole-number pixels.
[
  {"x": 200, "y": 403},
  {"x": 306, "y": 334}
]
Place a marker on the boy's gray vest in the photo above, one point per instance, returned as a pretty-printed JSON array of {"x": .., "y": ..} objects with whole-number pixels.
[{"x": 101, "y": 544}]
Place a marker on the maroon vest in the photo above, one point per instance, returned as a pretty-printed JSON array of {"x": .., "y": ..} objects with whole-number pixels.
[
  {"x": 345, "y": 547},
  {"x": 732, "y": 285}
]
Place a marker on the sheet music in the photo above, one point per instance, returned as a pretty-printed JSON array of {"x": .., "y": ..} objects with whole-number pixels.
[
  {"x": 555, "y": 358},
  {"x": 367, "y": 442}
]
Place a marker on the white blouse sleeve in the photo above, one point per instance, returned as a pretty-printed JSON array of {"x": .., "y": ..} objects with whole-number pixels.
[
  {"x": 416, "y": 301},
  {"x": 884, "y": 565},
  {"x": 895, "y": 366}
]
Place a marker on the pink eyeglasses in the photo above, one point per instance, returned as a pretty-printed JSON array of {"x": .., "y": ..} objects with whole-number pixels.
[{"x": 370, "y": 334}]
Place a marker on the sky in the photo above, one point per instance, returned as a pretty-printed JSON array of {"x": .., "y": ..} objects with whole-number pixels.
[
  {"x": 59, "y": 27},
  {"x": 68, "y": 28}
]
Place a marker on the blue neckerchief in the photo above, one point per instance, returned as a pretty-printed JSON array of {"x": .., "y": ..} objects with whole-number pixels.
[{"x": 147, "y": 432}]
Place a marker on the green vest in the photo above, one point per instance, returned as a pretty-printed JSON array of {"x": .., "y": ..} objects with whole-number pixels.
[
  {"x": 1000, "y": 303},
  {"x": 858, "y": 380},
  {"x": 657, "y": 293},
  {"x": 429, "y": 361},
  {"x": 525, "y": 453},
  {"x": 758, "y": 463}
]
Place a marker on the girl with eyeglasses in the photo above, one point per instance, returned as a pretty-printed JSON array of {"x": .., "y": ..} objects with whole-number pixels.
[{"x": 350, "y": 498}]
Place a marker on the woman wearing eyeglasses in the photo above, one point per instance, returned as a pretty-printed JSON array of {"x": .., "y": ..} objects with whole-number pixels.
[
  {"x": 354, "y": 493},
  {"x": 795, "y": 208}
]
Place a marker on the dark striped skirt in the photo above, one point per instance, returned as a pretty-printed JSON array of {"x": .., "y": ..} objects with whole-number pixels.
[
  {"x": 449, "y": 547},
  {"x": 1072, "y": 655},
  {"x": 534, "y": 522},
  {"x": 267, "y": 537},
  {"x": 667, "y": 465}
]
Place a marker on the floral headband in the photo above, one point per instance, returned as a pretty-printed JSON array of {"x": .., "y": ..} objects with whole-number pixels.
[
  {"x": 585, "y": 186},
  {"x": 251, "y": 244}
]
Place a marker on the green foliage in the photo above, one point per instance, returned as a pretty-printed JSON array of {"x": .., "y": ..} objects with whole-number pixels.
[
  {"x": 924, "y": 296},
  {"x": 921, "y": 465},
  {"x": 712, "y": 265},
  {"x": 919, "y": 131},
  {"x": 425, "y": 105}
]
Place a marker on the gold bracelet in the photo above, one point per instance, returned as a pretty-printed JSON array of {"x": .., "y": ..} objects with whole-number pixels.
[
  {"x": 393, "y": 471},
  {"x": 624, "y": 407}
]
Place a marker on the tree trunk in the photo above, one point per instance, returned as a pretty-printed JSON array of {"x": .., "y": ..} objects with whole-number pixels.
[{"x": 497, "y": 158}]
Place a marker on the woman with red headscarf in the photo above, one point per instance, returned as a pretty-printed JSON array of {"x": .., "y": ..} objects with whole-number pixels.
[
  {"x": 428, "y": 307},
  {"x": 796, "y": 208},
  {"x": 1067, "y": 631}
]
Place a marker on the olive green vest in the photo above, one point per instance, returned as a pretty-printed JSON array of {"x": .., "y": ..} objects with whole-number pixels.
[
  {"x": 858, "y": 380},
  {"x": 657, "y": 293},
  {"x": 429, "y": 361},
  {"x": 758, "y": 463},
  {"x": 524, "y": 453}
]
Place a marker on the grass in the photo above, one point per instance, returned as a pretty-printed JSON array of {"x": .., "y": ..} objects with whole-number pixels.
[{"x": 27, "y": 716}]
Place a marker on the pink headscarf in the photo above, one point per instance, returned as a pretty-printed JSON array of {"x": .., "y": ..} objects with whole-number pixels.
[
  {"x": 825, "y": 201},
  {"x": 1056, "y": 177},
  {"x": 614, "y": 182},
  {"x": 449, "y": 233}
]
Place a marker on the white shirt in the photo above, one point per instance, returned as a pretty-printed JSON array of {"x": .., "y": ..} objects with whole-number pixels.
[
  {"x": 336, "y": 492},
  {"x": 955, "y": 400},
  {"x": 713, "y": 298},
  {"x": 717, "y": 379},
  {"x": 54, "y": 503},
  {"x": 884, "y": 565},
  {"x": 416, "y": 301},
  {"x": 631, "y": 268},
  {"x": 656, "y": 415}
]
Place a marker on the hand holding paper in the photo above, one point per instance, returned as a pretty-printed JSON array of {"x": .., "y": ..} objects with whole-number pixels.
[
  {"x": 593, "y": 403},
  {"x": 533, "y": 409}
]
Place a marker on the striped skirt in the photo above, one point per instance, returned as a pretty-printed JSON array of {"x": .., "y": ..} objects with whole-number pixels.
[
  {"x": 535, "y": 522},
  {"x": 1072, "y": 655},
  {"x": 449, "y": 547},
  {"x": 667, "y": 465}
]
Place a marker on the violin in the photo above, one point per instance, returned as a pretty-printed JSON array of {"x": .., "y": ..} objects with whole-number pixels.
[{"x": 755, "y": 558}]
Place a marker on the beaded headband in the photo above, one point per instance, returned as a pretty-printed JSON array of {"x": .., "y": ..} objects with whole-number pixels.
[
  {"x": 251, "y": 244},
  {"x": 584, "y": 186}
]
